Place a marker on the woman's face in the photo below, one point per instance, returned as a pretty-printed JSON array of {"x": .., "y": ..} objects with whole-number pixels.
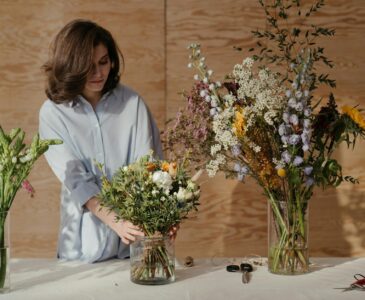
[{"x": 99, "y": 72}]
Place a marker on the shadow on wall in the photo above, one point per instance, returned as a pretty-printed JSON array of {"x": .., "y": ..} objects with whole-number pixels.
[{"x": 334, "y": 229}]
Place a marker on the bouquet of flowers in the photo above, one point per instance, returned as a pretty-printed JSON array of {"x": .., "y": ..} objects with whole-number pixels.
[
  {"x": 154, "y": 195},
  {"x": 16, "y": 162},
  {"x": 269, "y": 125}
]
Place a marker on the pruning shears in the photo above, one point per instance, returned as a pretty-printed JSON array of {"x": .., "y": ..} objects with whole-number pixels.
[{"x": 359, "y": 284}]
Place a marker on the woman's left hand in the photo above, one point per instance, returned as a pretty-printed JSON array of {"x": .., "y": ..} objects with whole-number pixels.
[{"x": 173, "y": 231}]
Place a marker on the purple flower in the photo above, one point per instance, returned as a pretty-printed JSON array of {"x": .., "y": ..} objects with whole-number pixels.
[
  {"x": 307, "y": 123},
  {"x": 292, "y": 103},
  {"x": 309, "y": 182},
  {"x": 286, "y": 157},
  {"x": 237, "y": 167},
  {"x": 307, "y": 112},
  {"x": 294, "y": 119},
  {"x": 282, "y": 129},
  {"x": 298, "y": 94},
  {"x": 236, "y": 150},
  {"x": 213, "y": 111},
  {"x": 241, "y": 170},
  {"x": 285, "y": 139},
  {"x": 305, "y": 147},
  {"x": 294, "y": 139},
  {"x": 286, "y": 117},
  {"x": 297, "y": 161},
  {"x": 305, "y": 138},
  {"x": 299, "y": 106},
  {"x": 287, "y": 93},
  {"x": 308, "y": 170}
]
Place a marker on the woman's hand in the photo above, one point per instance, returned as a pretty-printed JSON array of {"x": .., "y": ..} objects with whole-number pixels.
[
  {"x": 127, "y": 231},
  {"x": 173, "y": 231}
]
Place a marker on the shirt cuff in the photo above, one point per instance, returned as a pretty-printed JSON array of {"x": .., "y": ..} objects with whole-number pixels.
[{"x": 84, "y": 192}]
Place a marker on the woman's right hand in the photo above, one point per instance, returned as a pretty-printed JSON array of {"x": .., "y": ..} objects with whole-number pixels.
[{"x": 127, "y": 231}]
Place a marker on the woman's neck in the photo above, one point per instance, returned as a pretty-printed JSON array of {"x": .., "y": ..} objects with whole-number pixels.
[{"x": 93, "y": 98}]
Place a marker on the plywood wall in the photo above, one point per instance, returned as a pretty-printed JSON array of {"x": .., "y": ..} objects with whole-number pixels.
[{"x": 153, "y": 36}]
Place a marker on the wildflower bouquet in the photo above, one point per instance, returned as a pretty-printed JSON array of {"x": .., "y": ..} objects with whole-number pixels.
[
  {"x": 155, "y": 195},
  {"x": 16, "y": 162},
  {"x": 268, "y": 125}
]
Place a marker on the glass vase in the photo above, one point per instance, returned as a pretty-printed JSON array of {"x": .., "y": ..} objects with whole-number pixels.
[
  {"x": 152, "y": 260},
  {"x": 288, "y": 237},
  {"x": 4, "y": 252}
]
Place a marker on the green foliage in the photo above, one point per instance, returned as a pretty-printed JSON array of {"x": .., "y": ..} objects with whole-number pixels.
[
  {"x": 16, "y": 162},
  {"x": 280, "y": 43},
  {"x": 152, "y": 194}
]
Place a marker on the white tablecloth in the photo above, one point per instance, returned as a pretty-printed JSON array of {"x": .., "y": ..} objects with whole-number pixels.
[{"x": 37, "y": 279}]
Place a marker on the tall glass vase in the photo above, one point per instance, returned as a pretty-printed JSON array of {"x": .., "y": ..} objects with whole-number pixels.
[
  {"x": 288, "y": 237},
  {"x": 152, "y": 260},
  {"x": 4, "y": 252}
]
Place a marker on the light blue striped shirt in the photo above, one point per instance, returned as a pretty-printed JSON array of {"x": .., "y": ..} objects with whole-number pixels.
[{"x": 119, "y": 131}]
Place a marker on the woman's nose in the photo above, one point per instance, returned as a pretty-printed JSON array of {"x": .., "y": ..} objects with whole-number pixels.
[{"x": 96, "y": 70}]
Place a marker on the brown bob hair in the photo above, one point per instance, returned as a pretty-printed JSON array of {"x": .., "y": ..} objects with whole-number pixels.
[{"x": 70, "y": 60}]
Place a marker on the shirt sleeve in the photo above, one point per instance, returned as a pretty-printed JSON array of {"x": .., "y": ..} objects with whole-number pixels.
[
  {"x": 65, "y": 164},
  {"x": 148, "y": 134}
]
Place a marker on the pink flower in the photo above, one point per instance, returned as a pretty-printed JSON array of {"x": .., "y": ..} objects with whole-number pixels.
[{"x": 28, "y": 187}]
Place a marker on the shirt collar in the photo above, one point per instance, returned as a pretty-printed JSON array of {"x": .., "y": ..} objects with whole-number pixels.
[{"x": 79, "y": 99}]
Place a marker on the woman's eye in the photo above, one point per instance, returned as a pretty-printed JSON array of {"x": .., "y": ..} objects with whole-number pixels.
[{"x": 104, "y": 62}]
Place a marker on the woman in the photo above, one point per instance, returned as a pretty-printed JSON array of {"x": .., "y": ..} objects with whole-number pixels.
[{"x": 100, "y": 120}]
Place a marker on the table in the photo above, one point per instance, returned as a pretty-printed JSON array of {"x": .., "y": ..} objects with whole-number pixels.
[{"x": 50, "y": 279}]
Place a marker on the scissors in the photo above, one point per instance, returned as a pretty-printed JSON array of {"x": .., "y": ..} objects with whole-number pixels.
[{"x": 359, "y": 284}]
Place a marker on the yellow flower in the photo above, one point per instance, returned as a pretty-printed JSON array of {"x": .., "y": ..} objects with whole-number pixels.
[
  {"x": 355, "y": 115},
  {"x": 165, "y": 166},
  {"x": 150, "y": 166},
  {"x": 239, "y": 124},
  {"x": 281, "y": 172},
  {"x": 173, "y": 169}
]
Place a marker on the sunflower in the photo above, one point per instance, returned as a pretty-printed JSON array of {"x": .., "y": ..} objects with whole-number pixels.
[{"x": 355, "y": 115}]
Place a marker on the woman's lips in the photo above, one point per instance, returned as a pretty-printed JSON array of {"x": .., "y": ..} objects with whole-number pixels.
[{"x": 96, "y": 81}]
